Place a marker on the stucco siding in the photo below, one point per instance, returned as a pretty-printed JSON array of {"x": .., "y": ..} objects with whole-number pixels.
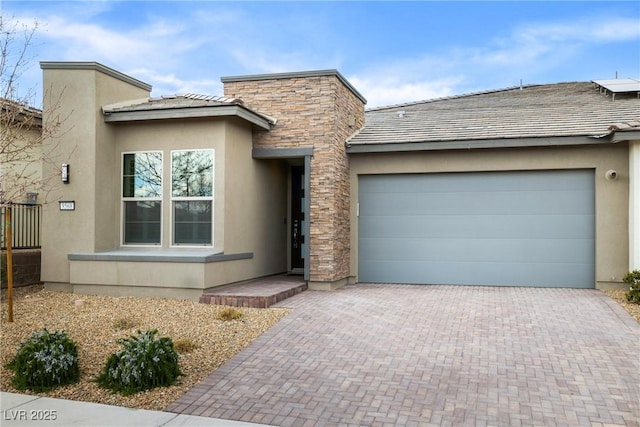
[
  {"x": 634, "y": 205},
  {"x": 75, "y": 97},
  {"x": 255, "y": 203}
]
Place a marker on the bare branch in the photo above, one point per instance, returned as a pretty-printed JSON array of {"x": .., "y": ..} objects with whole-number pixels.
[{"x": 27, "y": 145}]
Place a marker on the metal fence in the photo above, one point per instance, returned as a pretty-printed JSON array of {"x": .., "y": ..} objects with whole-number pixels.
[{"x": 26, "y": 222}]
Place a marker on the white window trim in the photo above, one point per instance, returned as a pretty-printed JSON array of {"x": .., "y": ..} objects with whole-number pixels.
[
  {"x": 138, "y": 199},
  {"x": 172, "y": 243}
]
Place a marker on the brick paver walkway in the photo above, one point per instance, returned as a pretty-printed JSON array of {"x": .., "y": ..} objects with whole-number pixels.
[{"x": 400, "y": 355}]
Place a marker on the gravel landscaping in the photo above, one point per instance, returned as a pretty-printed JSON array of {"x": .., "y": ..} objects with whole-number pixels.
[
  {"x": 95, "y": 323},
  {"x": 632, "y": 309}
]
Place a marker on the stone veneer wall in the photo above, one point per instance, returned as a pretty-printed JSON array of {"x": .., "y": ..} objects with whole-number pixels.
[{"x": 316, "y": 111}]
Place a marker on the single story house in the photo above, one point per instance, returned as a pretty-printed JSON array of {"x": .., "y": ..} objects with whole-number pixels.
[{"x": 288, "y": 173}]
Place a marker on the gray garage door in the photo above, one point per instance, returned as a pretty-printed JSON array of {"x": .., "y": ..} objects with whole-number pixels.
[{"x": 532, "y": 228}]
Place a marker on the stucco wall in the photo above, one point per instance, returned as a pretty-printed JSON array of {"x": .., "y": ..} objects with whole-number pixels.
[
  {"x": 75, "y": 97},
  {"x": 249, "y": 195},
  {"x": 634, "y": 205},
  {"x": 611, "y": 202},
  {"x": 249, "y": 207},
  {"x": 255, "y": 204}
]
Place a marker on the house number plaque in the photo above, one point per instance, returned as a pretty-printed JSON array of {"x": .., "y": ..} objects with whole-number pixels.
[{"x": 68, "y": 205}]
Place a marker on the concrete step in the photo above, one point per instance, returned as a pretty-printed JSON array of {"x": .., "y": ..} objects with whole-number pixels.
[{"x": 258, "y": 293}]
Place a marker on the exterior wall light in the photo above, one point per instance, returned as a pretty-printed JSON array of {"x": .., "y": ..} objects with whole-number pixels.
[
  {"x": 65, "y": 173},
  {"x": 611, "y": 175}
]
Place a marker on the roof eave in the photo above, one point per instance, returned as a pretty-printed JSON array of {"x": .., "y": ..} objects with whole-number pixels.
[
  {"x": 628, "y": 135},
  {"x": 188, "y": 113},
  {"x": 296, "y": 74},
  {"x": 476, "y": 144},
  {"x": 94, "y": 66},
  {"x": 22, "y": 113}
]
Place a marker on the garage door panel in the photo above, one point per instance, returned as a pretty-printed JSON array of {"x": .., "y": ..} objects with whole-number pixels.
[
  {"x": 460, "y": 182},
  {"x": 534, "y": 227},
  {"x": 481, "y": 274},
  {"x": 479, "y": 250},
  {"x": 481, "y": 226},
  {"x": 522, "y": 202}
]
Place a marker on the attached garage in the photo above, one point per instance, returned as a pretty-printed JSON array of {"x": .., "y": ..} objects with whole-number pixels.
[{"x": 506, "y": 228}]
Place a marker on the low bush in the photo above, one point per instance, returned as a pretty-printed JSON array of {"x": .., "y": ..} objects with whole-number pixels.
[
  {"x": 633, "y": 280},
  {"x": 44, "y": 361},
  {"x": 124, "y": 323},
  {"x": 229, "y": 313},
  {"x": 144, "y": 363},
  {"x": 185, "y": 345}
]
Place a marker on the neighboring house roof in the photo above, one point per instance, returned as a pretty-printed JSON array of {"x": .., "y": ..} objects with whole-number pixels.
[
  {"x": 183, "y": 106},
  {"x": 12, "y": 111},
  {"x": 535, "y": 115}
]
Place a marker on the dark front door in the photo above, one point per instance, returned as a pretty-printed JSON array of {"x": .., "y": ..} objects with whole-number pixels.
[{"x": 297, "y": 218}]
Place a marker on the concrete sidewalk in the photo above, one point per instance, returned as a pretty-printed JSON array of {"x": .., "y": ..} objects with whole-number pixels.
[{"x": 24, "y": 410}]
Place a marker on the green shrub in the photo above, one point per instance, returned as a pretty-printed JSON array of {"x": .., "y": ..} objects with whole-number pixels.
[
  {"x": 633, "y": 280},
  {"x": 144, "y": 363},
  {"x": 229, "y": 313},
  {"x": 44, "y": 361}
]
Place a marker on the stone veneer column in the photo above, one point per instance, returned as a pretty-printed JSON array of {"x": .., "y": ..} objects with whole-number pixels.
[
  {"x": 634, "y": 205},
  {"x": 318, "y": 109}
]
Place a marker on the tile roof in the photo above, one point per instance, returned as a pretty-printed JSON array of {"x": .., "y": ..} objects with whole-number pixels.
[
  {"x": 184, "y": 106},
  {"x": 13, "y": 112},
  {"x": 188, "y": 100},
  {"x": 625, "y": 126},
  {"x": 535, "y": 111}
]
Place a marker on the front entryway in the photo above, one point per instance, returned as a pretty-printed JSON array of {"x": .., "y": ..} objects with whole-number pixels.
[
  {"x": 514, "y": 228},
  {"x": 298, "y": 217}
]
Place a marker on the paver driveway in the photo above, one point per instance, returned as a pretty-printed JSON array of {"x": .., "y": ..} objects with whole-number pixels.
[{"x": 403, "y": 355}]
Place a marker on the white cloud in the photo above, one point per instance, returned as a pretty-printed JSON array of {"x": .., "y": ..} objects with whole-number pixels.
[
  {"x": 589, "y": 30},
  {"x": 272, "y": 60},
  {"x": 83, "y": 41},
  {"x": 528, "y": 52},
  {"x": 390, "y": 91},
  {"x": 536, "y": 46},
  {"x": 616, "y": 30},
  {"x": 169, "y": 84},
  {"x": 188, "y": 52}
]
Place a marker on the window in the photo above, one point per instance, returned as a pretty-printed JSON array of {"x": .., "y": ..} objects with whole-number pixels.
[
  {"x": 191, "y": 194},
  {"x": 192, "y": 197},
  {"x": 142, "y": 198}
]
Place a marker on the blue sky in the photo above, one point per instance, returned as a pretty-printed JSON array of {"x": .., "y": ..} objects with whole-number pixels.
[{"x": 392, "y": 52}]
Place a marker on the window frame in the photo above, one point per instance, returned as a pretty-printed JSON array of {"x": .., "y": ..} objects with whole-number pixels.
[
  {"x": 124, "y": 199},
  {"x": 173, "y": 199}
]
